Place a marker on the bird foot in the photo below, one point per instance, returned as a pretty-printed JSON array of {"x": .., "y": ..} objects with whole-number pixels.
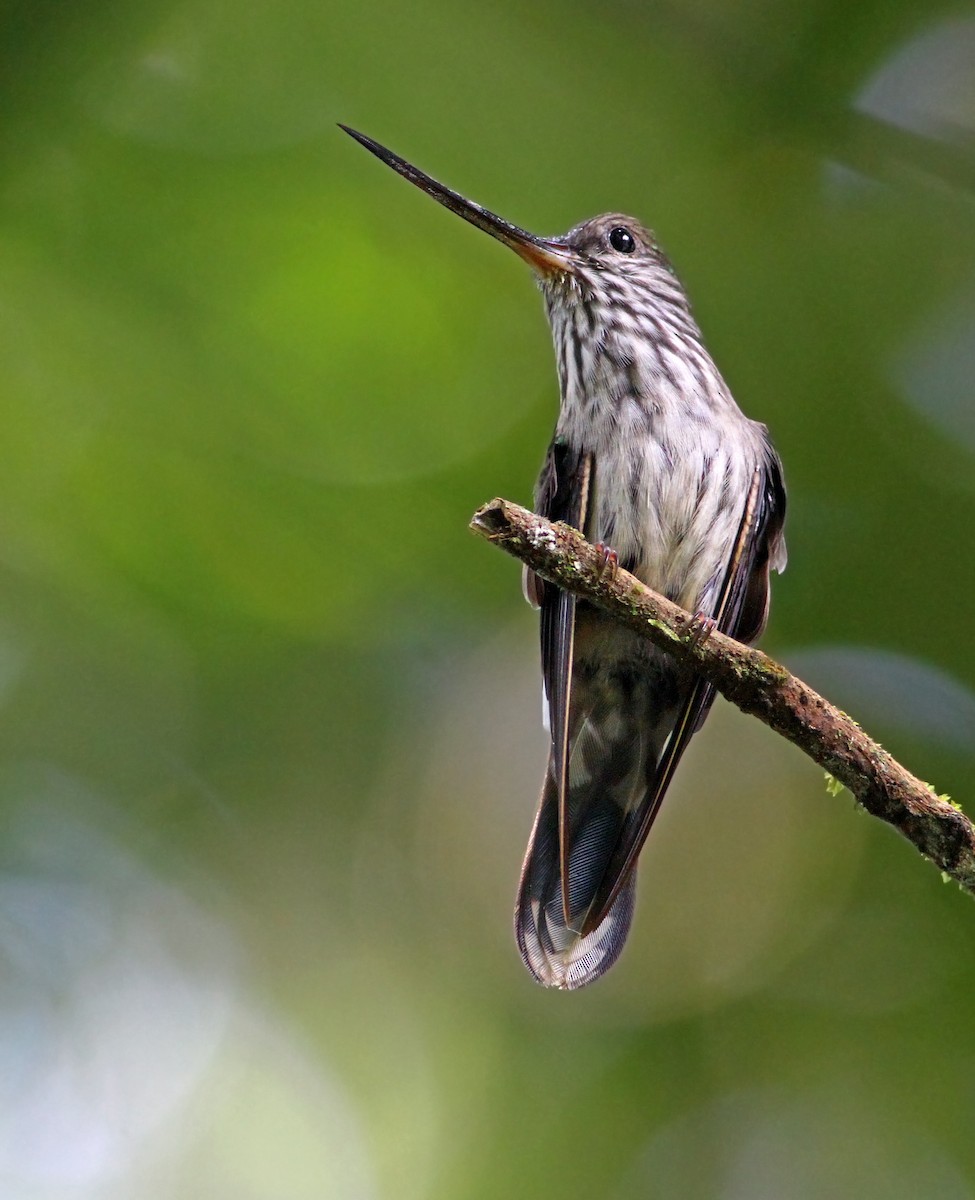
[
  {"x": 608, "y": 561},
  {"x": 699, "y": 629}
]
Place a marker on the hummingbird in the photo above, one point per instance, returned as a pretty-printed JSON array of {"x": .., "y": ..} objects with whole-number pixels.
[{"x": 653, "y": 461}]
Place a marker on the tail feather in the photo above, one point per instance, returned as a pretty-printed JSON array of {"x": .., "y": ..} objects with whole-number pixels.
[
  {"x": 619, "y": 727},
  {"x": 553, "y": 949}
]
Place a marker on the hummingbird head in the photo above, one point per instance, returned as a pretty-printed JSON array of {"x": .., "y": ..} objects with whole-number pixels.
[
  {"x": 609, "y": 289},
  {"x": 615, "y": 269},
  {"x": 612, "y": 244},
  {"x": 616, "y": 245}
]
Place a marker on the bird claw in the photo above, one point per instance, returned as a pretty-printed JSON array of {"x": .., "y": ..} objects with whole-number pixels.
[
  {"x": 699, "y": 629},
  {"x": 608, "y": 561}
]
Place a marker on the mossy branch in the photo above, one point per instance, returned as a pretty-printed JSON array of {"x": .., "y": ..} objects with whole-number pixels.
[{"x": 749, "y": 679}]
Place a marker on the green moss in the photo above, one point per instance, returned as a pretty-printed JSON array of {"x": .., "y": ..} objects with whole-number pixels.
[{"x": 833, "y": 785}]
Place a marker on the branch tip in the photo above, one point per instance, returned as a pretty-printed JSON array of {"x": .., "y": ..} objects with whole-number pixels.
[{"x": 492, "y": 519}]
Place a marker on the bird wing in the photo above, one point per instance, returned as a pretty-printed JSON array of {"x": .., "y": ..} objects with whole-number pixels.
[
  {"x": 564, "y": 493},
  {"x": 741, "y": 612},
  {"x": 551, "y": 948}
]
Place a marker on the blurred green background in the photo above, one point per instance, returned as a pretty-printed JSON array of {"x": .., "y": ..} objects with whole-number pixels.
[{"x": 270, "y": 740}]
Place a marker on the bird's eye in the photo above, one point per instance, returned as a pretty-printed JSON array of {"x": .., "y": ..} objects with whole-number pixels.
[{"x": 622, "y": 240}]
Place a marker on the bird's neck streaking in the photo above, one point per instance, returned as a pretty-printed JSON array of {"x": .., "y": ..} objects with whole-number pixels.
[
  {"x": 642, "y": 395},
  {"x": 628, "y": 351}
]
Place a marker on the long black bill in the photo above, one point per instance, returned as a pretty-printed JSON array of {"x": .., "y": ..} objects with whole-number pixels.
[{"x": 545, "y": 255}]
